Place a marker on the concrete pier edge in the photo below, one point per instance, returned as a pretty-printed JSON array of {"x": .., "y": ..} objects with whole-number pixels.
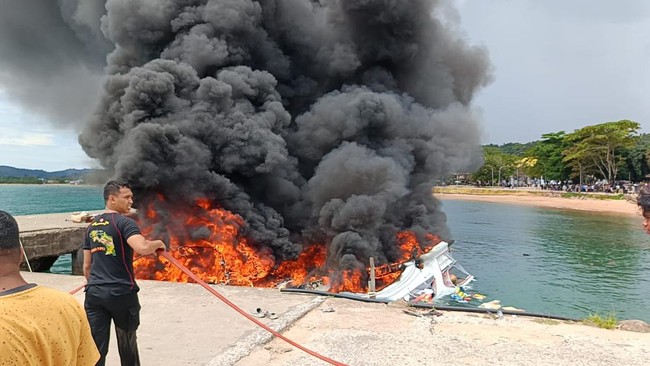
[{"x": 244, "y": 346}]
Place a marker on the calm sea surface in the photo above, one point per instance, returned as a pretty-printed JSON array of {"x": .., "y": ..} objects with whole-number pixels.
[
  {"x": 544, "y": 261},
  {"x": 554, "y": 261},
  {"x": 29, "y": 199}
]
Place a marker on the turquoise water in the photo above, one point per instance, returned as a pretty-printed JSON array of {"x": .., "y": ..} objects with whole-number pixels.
[
  {"x": 555, "y": 262},
  {"x": 29, "y": 199},
  {"x": 560, "y": 262}
]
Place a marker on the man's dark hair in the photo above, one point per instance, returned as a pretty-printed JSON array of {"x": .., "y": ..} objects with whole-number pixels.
[
  {"x": 643, "y": 200},
  {"x": 113, "y": 188},
  {"x": 9, "y": 235}
]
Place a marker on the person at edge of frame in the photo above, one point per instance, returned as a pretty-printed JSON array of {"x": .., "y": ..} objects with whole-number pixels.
[{"x": 38, "y": 325}]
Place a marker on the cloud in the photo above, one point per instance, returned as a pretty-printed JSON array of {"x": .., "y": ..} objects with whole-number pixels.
[
  {"x": 28, "y": 141},
  {"x": 8, "y": 137},
  {"x": 19, "y": 127}
]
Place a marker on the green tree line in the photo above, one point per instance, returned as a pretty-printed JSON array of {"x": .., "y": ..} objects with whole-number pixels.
[
  {"x": 31, "y": 180},
  {"x": 610, "y": 150},
  {"x": 20, "y": 180}
]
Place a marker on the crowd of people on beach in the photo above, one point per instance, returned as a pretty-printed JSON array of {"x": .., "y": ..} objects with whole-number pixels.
[{"x": 597, "y": 186}]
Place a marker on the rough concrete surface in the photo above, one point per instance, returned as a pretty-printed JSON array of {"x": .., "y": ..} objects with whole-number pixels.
[
  {"x": 182, "y": 324},
  {"x": 357, "y": 333},
  {"x": 38, "y": 222}
]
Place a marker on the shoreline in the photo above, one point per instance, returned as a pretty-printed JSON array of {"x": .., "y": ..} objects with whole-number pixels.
[{"x": 607, "y": 206}]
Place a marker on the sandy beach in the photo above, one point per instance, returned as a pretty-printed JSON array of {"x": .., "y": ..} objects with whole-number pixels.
[{"x": 619, "y": 207}]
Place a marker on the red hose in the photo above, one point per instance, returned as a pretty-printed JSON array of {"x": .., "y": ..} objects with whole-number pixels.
[
  {"x": 180, "y": 266},
  {"x": 76, "y": 289}
]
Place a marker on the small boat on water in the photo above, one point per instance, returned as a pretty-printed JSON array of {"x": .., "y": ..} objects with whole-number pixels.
[{"x": 435, "y": 273}]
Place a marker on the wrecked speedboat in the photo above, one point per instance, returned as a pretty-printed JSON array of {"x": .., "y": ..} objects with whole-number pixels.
[{"x": 435, "y": 272}]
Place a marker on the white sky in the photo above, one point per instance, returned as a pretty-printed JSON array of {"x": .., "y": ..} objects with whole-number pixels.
[{"x": 559, "y": 65}]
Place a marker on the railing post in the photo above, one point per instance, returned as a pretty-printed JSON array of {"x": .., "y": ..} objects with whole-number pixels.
[{"x": 371, "y": 282}]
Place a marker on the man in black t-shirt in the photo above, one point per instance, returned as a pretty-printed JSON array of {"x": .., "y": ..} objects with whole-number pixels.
[{"x": 111, "y": 291}]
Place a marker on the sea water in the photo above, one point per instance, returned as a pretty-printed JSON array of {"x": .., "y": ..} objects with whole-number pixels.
[
  {"x": 549, "y": 261},
  {"x": 30, "y": 199}
]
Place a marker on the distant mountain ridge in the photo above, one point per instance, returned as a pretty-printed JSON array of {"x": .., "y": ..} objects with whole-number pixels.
[{"x": 12, "y": 172}]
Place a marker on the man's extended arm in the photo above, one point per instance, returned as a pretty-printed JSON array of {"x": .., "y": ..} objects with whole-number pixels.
[{"x": 143, "y": 246}]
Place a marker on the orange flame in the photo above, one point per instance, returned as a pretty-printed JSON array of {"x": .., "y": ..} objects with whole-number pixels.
[
  {"x": 209, "y": 242},
  {"x": 350, "y": 281}
]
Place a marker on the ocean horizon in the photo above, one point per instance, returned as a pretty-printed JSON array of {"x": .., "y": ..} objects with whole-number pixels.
[{"x": 33, "y": 199}]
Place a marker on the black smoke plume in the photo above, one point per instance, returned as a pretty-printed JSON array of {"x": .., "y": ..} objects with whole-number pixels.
[
  {"x": 316, "y": 121},
  {"x": 52, "y": 55}
]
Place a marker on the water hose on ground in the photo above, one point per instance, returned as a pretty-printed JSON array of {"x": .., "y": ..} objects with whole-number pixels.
[
  {"x": 185, "y": 270},
  {"x": 430, "y": 306}
]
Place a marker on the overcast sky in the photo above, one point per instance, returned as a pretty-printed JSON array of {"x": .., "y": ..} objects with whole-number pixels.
[
  {"x": 558, "y": 66},
  {"x": 28, "y": 140}
]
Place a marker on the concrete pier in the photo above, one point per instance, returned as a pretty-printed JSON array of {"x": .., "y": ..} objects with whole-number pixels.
[
  {"x": 48, "y": 236},
  {"x": 183, "y": 324}
]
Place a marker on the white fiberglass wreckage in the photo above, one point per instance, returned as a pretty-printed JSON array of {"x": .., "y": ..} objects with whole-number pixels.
[{"x": 435, "y": 272}]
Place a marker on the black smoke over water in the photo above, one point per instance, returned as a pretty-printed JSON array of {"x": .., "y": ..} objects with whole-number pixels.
[{"x": 315, "y": 121}]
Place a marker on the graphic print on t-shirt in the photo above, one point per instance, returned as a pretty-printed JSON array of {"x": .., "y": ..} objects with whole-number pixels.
[{"x": 100, "y": 237}]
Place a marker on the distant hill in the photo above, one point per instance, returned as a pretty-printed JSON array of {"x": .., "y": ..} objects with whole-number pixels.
[{"x": 11, "y": 172}]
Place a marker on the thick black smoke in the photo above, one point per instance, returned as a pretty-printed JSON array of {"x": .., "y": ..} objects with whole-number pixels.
[
  {"x": 316, "y": 121},
  {"x": 52, "y": 55}
]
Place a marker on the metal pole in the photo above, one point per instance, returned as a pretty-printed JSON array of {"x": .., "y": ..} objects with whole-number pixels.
[
  {"x": 580, "y": 173},
  {"x": 492, "y": 170},
  {"x": 371, "y": 283}
]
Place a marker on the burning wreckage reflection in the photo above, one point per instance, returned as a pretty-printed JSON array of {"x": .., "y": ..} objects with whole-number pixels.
[{"x": 426, "y": 271}]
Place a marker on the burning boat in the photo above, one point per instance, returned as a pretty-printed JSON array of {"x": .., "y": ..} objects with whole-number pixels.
[
  {"x": 222, "y": 255},
  {"x": 432, "y": 275},
  {"x": 435, "y": 270}
]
